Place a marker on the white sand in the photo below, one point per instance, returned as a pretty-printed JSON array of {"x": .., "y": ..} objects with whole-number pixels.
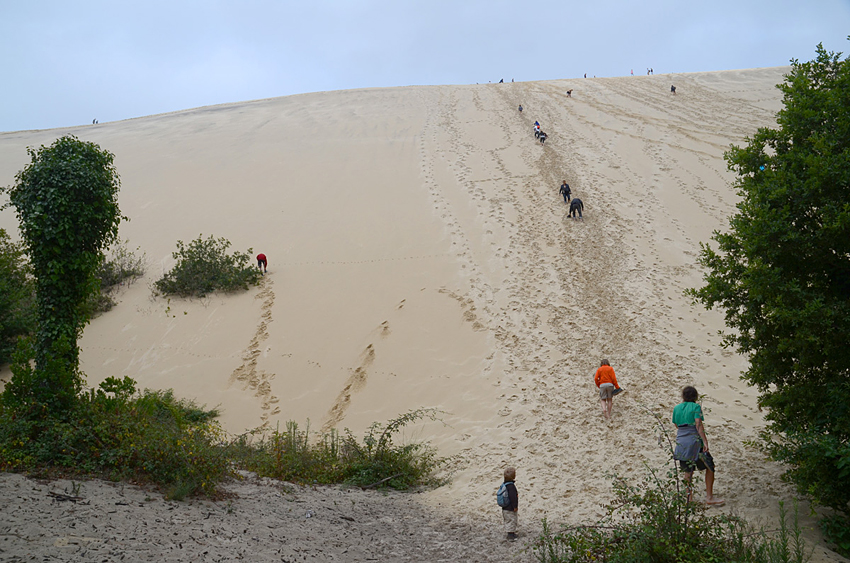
[{"x": 420, "y": 256}]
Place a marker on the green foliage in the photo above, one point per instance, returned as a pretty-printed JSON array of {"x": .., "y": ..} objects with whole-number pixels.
[
  {"x": 655, "y": 522},
  {"x": 17, "y": 297},
  {"x": 66, "y": 200},
  {"x": 118, "y": 433},
  {"x": 121, "y": 266},
  {"x": 334, "y": 458},
  {"x": 836, "y": 529},
  {"x": 378, "y": 458},
  {"x": 782, "y": 275},
  {"x": 204, "y": 266}
]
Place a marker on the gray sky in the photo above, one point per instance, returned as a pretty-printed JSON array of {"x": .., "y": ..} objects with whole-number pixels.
[{"x": 67, "y": 62}]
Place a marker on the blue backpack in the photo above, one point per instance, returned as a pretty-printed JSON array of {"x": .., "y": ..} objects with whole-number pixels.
[{"x": 502, "y": 498}]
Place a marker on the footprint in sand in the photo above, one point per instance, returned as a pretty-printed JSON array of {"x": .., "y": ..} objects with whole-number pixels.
[
  {"x": 356, "y": 382},
  {"x": 248, "y": 373}
]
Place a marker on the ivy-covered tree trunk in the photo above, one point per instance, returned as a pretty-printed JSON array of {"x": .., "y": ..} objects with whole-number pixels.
[{"x": 67, "y": 202}]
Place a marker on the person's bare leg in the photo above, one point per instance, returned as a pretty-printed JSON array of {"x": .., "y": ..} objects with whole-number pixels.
[
  {"x": 610, "y": 405},
  {"x": 604, "y": 408},
  {"x": 689, "y": 483},
  {"x": 709, "y": 488}
]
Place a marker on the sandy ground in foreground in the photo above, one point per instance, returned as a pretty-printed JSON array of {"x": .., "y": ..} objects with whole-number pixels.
[
  {"x": 266, "y": 521},
  {"x": 420, "y": 256}
]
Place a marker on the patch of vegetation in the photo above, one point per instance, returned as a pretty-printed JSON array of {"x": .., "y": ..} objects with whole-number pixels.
[
  {"x": 17, "y": 297},
  {"x": 117, "y": 433},
  {"x": 655, "y": 522},
  {"x": 204, "y": 266},
  {"x": 121, "y": 267},
  {"x": 376, "y": 461}
]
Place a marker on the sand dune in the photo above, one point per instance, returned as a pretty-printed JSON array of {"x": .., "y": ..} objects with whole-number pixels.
[{"x": 420, "y": 255}]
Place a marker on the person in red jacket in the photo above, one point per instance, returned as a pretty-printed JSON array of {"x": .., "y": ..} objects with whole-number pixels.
[
  {"x": 606, "y": 381},
  {"x": 262, "y": 263}
]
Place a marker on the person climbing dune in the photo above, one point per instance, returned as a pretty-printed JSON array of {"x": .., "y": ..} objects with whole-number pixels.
[
  {"x": 692, "y": 444},
  {"x": 576, "y": 206},
  {"x": 565, "y": 191}
]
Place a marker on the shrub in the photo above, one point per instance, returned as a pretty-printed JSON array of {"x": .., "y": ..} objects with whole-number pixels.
[
  {"x": 17, "y": 297},
  {"x": 121, "y": 266},
  {"x": 655, "y": 522},
  {"x": 333, "y": 458},
  {"x": 117, "y": 433},
  {"x": 204, "y": 266}
]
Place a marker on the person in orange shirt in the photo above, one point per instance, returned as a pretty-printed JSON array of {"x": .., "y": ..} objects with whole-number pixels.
[{"x": 606, "y": 381}]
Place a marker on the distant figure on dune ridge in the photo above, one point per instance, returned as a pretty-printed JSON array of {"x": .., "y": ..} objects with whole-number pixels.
[
  {"x": 565, "y": 191},
  {"x": 543, "y": 137},
  {"x": 520, "y": 108},
  {"x": 692, "y": 444},
  {"x": 502, "y": 81},
  {"x": 606, "y": 381},
  {"x": 673, "y": 89},
  {"x": 576, "y": 205},
  {"x": 508, "y": 499},
  {"x": 262, "y": 263},
  {"x": 537, "y": 131},
  {"x": 570, "y": 93}
]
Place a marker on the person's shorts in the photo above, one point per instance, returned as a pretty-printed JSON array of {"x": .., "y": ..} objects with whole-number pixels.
[
  {"x": 606, "y": 391},
  {"x": 703, "y": 461},
  {"x": 511, "y": 520},
  {"x": 262, "y": 263}
]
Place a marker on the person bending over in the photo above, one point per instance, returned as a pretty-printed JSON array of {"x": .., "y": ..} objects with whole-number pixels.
[
  {"x": 576, "y": 206},
  {"x": 606, "y": 381}
]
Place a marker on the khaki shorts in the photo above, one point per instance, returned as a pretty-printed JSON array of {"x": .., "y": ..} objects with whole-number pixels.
[
  {"x": 511, "y": 520},
  {"x": 606, "y": 391}
]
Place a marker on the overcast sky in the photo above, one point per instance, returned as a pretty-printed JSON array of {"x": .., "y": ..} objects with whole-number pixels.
[{"x": 66, "y": 62}]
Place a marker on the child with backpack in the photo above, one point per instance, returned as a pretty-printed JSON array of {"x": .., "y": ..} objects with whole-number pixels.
[{"x": 508, "y": 499}]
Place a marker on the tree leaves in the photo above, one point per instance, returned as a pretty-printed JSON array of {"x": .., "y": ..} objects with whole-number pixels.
[{"x": 782, "y": 271}]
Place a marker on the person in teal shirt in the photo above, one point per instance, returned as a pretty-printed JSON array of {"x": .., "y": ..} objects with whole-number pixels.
[{"x": 692, "y": 444}]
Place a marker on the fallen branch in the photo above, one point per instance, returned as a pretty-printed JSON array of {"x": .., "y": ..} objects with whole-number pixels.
[
  {"x": 382, "y": 481},
  {"x": 63, "y": 497}
]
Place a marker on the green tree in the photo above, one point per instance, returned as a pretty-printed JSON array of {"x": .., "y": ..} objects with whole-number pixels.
[
  {"x": 17, "y": 292},
  {"x": 782, "y": 275},
  {"x": 66, "y": 200}
]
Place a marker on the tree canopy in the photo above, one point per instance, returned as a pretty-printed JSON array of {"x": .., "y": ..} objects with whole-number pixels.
[{"x": 781, "y": 273}]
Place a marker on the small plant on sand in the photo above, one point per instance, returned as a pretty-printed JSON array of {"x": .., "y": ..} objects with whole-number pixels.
[
  {"x": 121, "y": 267},
  {"x": 204, "y": 266},
  {"x": 379, "y": 461},
  {"x": 376, "y": 461}
]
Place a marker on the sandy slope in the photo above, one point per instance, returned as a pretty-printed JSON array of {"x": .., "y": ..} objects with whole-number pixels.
[{"x": 420, "y": 256}]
